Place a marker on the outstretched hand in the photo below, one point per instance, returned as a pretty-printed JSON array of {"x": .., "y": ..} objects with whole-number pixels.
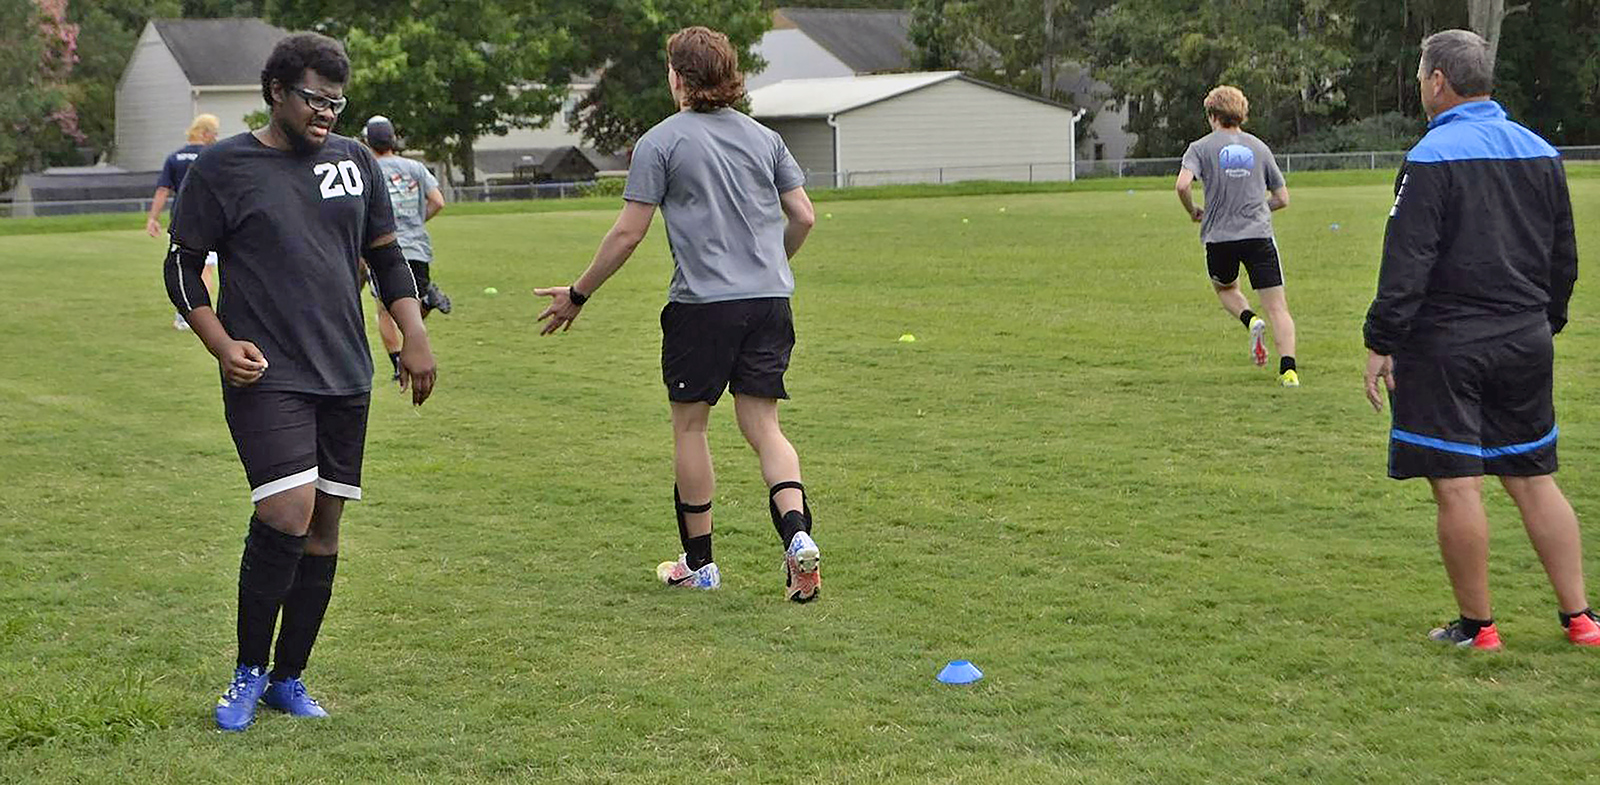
[{"x": 561, "y": 313}]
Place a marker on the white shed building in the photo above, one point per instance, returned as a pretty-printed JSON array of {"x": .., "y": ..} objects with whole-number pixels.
[
  {"x": 936, "y": 126},
  {"x": 184, "y": 67}
]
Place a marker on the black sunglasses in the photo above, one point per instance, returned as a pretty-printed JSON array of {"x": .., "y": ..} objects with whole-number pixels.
[{"x": 320, "y": 102}]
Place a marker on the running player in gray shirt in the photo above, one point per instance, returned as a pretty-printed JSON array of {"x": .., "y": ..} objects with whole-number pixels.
[
  {"x": 736, "y": 212},
  {"x": 1243, "y": 187}
]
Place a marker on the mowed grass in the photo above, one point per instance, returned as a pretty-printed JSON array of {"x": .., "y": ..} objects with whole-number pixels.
[{"x": 1169, "y": 569}]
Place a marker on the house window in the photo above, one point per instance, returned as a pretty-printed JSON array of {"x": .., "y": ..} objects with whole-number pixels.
[{"x": 1099, "y": 151}]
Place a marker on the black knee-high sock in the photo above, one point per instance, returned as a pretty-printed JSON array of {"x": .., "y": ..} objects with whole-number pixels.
[
  {"x": 303, "y": 609},
  {"x": 696, "y": 550},
  {"x": 788, "y": 523},
  {"x": 266, "y": 571}
]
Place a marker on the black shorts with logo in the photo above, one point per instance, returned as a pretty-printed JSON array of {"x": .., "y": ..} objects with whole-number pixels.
[
  {"x": 1259, "y": 257},
  {"x": 288, "y": 439},
  {"x": 1464, "y": 410},
  {"x": 740, "y": 345}
]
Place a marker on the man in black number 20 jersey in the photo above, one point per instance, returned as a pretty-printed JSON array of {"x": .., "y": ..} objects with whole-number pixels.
[{"x": 291, "y": 208}]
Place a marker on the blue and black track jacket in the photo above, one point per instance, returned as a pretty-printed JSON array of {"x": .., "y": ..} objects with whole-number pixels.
[{"x": 1480, "y": 233}]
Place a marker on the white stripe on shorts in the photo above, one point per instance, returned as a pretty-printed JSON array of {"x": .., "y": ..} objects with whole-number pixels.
[
  {"x": 352, "y": 492},
  {"x": 283, "y": 484}
]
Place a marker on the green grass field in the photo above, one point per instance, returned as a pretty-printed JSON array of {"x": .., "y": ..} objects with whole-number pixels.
[{"x": 1170, "y": 569}]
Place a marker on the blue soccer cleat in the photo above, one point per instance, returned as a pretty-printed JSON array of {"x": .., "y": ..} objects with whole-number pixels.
[
  {"x": 236, "y": 709},
  {"x": 289, "y": 696}
]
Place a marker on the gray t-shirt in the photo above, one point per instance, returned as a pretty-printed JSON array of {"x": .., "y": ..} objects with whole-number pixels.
[
  {"x": 717, "y": 176},
  {"x": 409, "y": 183},
  {"x": 1238, "y": 171}
]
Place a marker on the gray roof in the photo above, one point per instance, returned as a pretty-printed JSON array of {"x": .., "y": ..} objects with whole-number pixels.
[
  {"x": 220, "y": 51},
  {"x": 498, "y": 162},
  {"x": 867, "y": 41}
]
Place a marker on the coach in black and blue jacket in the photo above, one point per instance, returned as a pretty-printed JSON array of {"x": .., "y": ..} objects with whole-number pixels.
[{"x": 1478, "y": 264}]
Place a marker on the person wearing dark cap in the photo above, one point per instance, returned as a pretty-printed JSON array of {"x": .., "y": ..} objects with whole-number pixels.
[{"x": 416, "y": 197}]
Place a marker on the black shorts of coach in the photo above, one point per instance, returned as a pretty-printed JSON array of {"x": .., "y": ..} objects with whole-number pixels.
[
  {"x": 1464, "y": 409},
  {"x": 738, "y": 345},
  {"x": 1259, "y": 257},
  {"x": 289, "y": 439}
]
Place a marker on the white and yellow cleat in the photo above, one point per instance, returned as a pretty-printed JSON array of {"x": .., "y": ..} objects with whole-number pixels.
[
  {"x": 1289, "y": 378},
  {"x": 677, "y": 573}
]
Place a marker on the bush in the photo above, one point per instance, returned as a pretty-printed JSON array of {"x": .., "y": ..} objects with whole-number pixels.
[
  {"x": 1388, "y": 131},
  {"x": 604, "y": 186}
]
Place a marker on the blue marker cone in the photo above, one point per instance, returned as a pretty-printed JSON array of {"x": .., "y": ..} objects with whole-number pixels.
[{"x": 960, "y": 672}]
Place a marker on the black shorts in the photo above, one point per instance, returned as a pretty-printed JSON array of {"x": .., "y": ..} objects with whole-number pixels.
[
  {"x": 1259, "y": 257},
  {"x": 1484, "y": 408},
  {"x": 741, "y": 345},
  {"x": 288, "y": 439}
]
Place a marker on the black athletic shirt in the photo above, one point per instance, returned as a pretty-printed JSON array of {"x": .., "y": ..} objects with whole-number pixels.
[{"x": 291, "y": 229}]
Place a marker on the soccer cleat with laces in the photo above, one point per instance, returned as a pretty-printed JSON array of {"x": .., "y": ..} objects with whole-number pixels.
[
  {"x": 289, "y": 696},
  {"x": 236, "y": 709},
  {"x": 1583, "y": 629},
  {"x": 1289, "y": 378},
  {"x": 802, "y": 576},
  {"x": 1454, "y": 634},
  {"x": 677, "y": 573},
  {"x": 1258, "y": 343}
]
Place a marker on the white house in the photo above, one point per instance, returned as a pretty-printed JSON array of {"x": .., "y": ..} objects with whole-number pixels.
[
  {"x": 812, "y": 43},
  {"x": 184, "y": 67},
  {"x": 935, "y": 126}
]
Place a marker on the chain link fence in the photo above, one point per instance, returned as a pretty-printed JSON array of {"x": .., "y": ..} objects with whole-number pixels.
[{"x": 1021, "y": 172}]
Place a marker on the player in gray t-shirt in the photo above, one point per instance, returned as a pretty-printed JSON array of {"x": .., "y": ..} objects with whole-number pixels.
[
  {"x": 736, "y": 212},
  {"x": 415, "y": 194},
  {"x": 1243, "y": 186}
]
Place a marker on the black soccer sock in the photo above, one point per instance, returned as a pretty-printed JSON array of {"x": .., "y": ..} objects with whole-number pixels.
[
  {"x": 788, "y": 523},
  {"x": 1246, "y": 316},
  {"x": 1285, "y": 364},
  {"x": 266, "y": 571},
  {"x": 394, "y": 359},
  {"x": 1471, "y": 626},
  {"x": 696, "y": 550},
  {"x": 1566, "y": 618},
  {"x": 303, "y": 609}
]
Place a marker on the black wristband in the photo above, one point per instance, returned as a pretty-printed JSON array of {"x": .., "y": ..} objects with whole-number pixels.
[{"x": 578, "y": 298}]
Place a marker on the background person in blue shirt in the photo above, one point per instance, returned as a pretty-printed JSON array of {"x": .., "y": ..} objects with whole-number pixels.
[{"x": 202, "y": 132}]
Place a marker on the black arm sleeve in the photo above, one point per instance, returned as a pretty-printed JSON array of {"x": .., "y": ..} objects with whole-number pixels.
[
  {"x": 391, "y": 276},
  {"x": 1563, "y": 254},
  {"x": 1410, "y": 249},
  {"x": 182, "y": 273}
]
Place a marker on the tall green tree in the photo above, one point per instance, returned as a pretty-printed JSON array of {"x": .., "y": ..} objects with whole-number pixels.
[
  {"x": 450, "y": 71},
  {"x": 1164, "y": 55},
  {"x": 626, "y": 40},
  {"x": 37, "y": 54}
]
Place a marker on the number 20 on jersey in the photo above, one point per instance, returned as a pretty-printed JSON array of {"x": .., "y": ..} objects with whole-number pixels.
[{"x": 341, "y": 179}]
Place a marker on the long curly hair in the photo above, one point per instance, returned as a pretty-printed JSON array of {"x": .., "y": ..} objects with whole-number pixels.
[{"x": 708, "y": 67}]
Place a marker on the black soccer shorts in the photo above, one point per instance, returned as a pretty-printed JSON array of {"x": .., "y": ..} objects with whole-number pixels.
[
  {"x": 740, "y": 345},
  {"x": 1482, "y": 408},
  {"x": 1259, "y": 257},
  {"x": 288, "y": 439}
]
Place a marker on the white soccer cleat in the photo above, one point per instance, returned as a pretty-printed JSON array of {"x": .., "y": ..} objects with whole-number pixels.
[
  {"x": 1258, "y": 344},
  {"x": 178, "y": 322},
  {"x": 802, "y": 576},
  {"x": 677, "y": 573}
]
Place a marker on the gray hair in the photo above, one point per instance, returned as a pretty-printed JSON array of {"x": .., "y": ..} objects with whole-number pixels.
[{"x": 1463, "y": 57}]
